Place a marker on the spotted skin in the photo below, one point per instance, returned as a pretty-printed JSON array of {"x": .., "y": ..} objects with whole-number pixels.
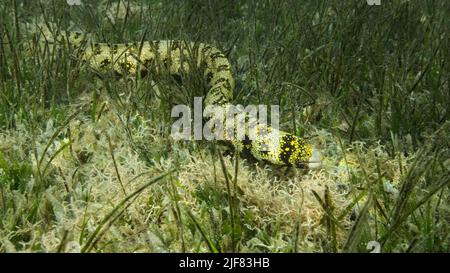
[{"x": 157, "y": 57}]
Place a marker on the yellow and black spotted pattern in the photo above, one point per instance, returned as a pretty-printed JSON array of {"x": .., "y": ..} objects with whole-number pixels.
[{"x": 177, "y": 58}]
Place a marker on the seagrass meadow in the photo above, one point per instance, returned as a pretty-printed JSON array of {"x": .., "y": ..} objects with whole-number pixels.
[{"x": 87, "y": 163}]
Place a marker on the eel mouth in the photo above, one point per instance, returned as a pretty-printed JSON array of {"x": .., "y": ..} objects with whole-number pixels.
[{"x": 315, "y": 161}]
